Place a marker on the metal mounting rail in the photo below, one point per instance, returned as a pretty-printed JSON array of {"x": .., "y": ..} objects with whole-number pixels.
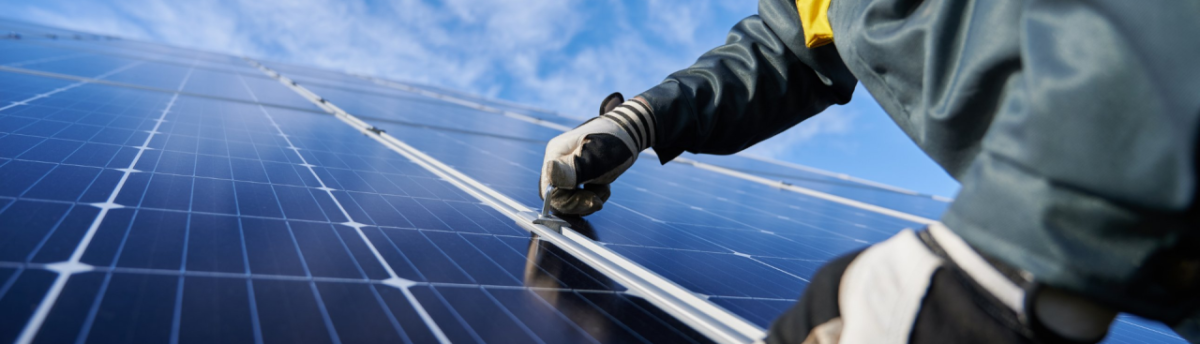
[
  {"x": 809, "y": 192},
  {"x": 845, "y": 177},
  {"x": 692, "y": 309}
]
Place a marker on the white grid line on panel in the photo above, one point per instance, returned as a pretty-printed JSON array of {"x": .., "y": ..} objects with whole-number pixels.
[
  {"x": 394, "y": 280},
  {"x": 73, "y": 264}
]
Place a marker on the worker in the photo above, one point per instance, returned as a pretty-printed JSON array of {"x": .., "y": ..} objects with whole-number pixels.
[{"x": 1071, "y": 125}]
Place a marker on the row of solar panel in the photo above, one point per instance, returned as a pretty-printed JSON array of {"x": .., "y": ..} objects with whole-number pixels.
[
  {"x": 749, "y": 246},
  {"x": 488, "y": 120},
  {"x": 350, "y": 88},
  {"x": 219, "y": 199},
  {"x": 784, "y": 293}
]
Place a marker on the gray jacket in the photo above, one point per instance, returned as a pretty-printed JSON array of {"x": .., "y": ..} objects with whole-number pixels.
[{"x": 1071, "y": 125}]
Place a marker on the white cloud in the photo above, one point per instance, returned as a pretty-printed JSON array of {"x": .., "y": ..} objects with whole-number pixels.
[{"x": 676, "y": 21}]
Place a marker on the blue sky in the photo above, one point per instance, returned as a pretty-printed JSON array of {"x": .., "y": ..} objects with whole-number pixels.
[{"x": 563, "y": 55}]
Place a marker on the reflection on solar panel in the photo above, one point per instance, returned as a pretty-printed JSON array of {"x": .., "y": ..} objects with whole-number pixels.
[{"x": 155, "y": 194}]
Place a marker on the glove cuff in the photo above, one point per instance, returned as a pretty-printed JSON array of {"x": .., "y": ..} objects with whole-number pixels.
[{"x": 637, "y": 120}]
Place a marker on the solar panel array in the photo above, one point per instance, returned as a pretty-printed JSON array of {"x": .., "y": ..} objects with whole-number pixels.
[{"x": 155, "y": 194}]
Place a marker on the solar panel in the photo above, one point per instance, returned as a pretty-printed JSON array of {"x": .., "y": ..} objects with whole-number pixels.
[
  {"x": 216, "y": 206},
  {"x": 151, "y": 194}
]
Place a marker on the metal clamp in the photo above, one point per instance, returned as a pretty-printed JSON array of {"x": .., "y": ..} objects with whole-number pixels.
[{"x": 545, "y": 219}]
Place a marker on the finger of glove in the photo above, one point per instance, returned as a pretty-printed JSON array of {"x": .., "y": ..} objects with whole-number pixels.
[
  {"x": 575, "y": 201},
  {"x": 556, "y": 164},
  {"x": 611, "y": 102},
  {"x": 557, "y": 173},
  {"x": 602, "y": 191}
]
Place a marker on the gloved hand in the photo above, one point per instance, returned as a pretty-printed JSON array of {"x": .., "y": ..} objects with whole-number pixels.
[{"x": 594, "y": 154}]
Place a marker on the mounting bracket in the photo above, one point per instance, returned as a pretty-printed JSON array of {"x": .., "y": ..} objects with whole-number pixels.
[{"x": 544, "y": 218}]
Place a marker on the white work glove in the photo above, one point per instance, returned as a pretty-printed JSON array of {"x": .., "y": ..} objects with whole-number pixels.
[{"x": 594, "y": 154}]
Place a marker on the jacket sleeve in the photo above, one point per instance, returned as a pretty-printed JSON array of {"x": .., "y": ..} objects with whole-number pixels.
[{"x": 762, "y": 81}]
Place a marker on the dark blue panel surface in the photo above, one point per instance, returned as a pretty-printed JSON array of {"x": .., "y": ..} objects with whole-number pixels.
[
  {"x": 358, "y": 316},
  {"x": 74, "y": 309},
  {"x": 134, "y": 308},
  {"x": 229, "y": 223},
  {"x": 718, "y": 274},
  {"x": 23, "y": 224},
  {"x": 289, "y": 312},
  {"x": 216, "y": 310},
  {"x": 214, "y": 244},
  {"x": 19, "y": 297}
]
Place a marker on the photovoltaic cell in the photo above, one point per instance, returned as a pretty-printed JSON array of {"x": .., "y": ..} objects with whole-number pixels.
[{"x": 240, "y": 212}]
